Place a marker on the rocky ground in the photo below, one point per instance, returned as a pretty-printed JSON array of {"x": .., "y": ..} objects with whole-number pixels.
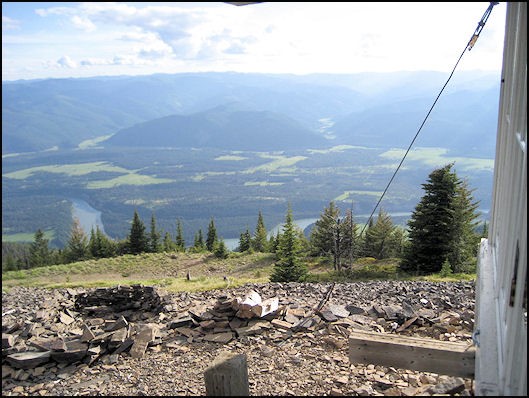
[{"x": 294, "y": 350}]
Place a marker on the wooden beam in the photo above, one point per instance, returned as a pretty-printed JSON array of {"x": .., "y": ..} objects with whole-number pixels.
[
  {"x": 227, "y": 376},
  {"x": 414, "y": 353}
]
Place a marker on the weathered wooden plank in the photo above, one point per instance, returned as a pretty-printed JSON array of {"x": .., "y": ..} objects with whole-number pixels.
[
  {"x": 227, "y": 376},
  {"x": 414, "y": 353}
]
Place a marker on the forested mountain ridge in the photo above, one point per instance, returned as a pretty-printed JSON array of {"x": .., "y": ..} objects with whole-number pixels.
[{"x": 220, "y": 128}]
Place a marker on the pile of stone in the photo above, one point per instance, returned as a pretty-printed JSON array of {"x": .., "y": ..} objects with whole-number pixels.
[
  {"x": 89, "y": 331},
  {"x": 127, "y": 301},
  {"x": 103, "y": 324},
  {"x": 85, "y": 342},
  {"x": 64, "y": 335}
]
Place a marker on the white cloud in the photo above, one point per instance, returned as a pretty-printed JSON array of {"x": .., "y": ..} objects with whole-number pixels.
[
  {"x": 9, "y": 23},
  {"x": 94, "y": 62},
  {"x": 274, "y": 37},
  {"x": 44, "y": 12},
  {"x": 66, "y": 62},
  {"x": 83, "y": 23}
]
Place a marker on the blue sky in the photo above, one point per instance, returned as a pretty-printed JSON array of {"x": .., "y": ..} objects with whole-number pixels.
[{"x": 51, "y": 40}]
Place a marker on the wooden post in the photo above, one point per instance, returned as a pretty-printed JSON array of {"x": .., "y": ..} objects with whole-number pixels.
[
  {"x": 414, "y": 353},
  {"x": 227, "y": 376}
]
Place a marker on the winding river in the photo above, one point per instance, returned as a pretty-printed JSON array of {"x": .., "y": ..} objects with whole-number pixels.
[{"x": 88, "y": 216}]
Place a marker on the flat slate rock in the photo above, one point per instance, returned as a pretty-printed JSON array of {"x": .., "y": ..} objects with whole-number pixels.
[
  {"x": 28, "y": 359},
  {"x": 222, "y": 338}
]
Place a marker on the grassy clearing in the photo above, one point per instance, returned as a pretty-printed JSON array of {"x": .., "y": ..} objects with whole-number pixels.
[
  {"x": 93, "y": 142},
  {"x": 262, "y": 183},
  {"x": 68, "y": 169},
  {"x": 279, "y": 162},
  {"x": 436, "y": 157},
  {"x": 231, "y": 157},
  {"x": 128, "y": 179},
  {"x": 26, "y": 237},
  {"x": 169, "y": 270},
  {"x": 347, "y": 194},
  {"x": 161, "y": 269},
  {"x": 336, "y": 148},
  {"x": 368, "y": 268}
]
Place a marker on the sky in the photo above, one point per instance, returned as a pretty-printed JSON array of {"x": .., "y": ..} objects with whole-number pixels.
[{"x": 63, "y": 39}]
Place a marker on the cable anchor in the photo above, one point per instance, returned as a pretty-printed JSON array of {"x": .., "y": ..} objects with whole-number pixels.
[{"x": 481, "y": 25}]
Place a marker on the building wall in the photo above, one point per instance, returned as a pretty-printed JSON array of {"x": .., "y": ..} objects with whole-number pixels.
[{"x": 501, "y": 302}]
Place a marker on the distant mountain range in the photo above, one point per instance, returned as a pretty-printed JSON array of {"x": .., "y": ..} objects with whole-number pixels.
[{"x": 252, "y": 111}]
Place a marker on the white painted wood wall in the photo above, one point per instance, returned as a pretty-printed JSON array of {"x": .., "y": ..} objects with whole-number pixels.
[{"x": 501, "y": 302}]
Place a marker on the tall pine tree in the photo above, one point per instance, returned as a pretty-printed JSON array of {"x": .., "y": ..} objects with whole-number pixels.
[
  {"x": 137, "y": 240},
  {"x": 439, "y": 229},
  {"x": 199, "y": 245},
  {"x": 288, "y": 266},
  {"x": 245, "y": 241},
  {"x": 350, "y": 239},
  {"x": 211, "y": 239},
  {"x": 154, "y": 237},
  {"x": 179, "y": 240},
  {"x": 168, "y": 244},
  {"x": 260, "y": 241},
  {"x": 465, "y": 239},
  {"x": 77, "y": 245},
  {"x": 100, "y": 246},
  {"x": 334, "y": 236},
  {"x": 322, "y": 236},
  {"x": 39, "y": 252},
  {"x": 378, "y": 242},
  {"x": 220, "y": 250}
]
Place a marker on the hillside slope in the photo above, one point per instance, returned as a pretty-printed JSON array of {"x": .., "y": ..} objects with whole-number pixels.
[{"x": 222, "y": 128}]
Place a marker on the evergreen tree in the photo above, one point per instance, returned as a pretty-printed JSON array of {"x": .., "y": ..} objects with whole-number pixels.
[
  {"x": 154, "y": 237},
  {"x": 322, "y": 237},
  {"x": 199, "y": 245},
  {"x": 379, "y": 237},
  {"x": 93, "y": 246},
  {"x": 17, "y": 252},
  {"x": 39, "y": 252},
  {"x": 245, "y": 241},
  {"x": 465, "y": 241},
  {"x": 334, "y": 236},
  {"x": 77, "y": 245},
  {"x": 122, "y": 246},
  {"x": 99, "y": 245},
  {"x": 349, "y": 236},
  {"x": 259, "y": 242},
  {"x": 212, "y": 238},
  {"x": 179, "y": 240},
  {"x": 57, "y": 256},
  {"x": 398, "y": 242},
  {"x": 137, "y": 240},
  {"x": 220, "y": 250},
  {"x": 10, "y": 264},
  {"x": 485, "y": 230},
  {"x": 440, "y": 226},
  {"x": 168, "y": 244},
  {"x": 273, "y": 242},
  {"x": 288, "y": 266}
]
